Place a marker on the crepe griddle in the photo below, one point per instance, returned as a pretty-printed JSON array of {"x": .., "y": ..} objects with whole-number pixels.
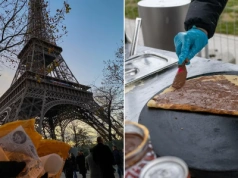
[{"x": 207, "y": 142}]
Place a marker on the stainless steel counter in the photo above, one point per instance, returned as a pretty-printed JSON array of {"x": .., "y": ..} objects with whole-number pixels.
[{"x": 137, "y": 94}]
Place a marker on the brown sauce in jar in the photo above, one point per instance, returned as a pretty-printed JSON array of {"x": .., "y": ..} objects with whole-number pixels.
[{"x": 132, "y": 141}]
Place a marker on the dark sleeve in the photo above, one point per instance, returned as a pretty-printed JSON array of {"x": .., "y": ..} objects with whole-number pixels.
[
  {"x": 204, "y": 14},
  {"x": 96, "y": 155},
  {"x": 116, "y": 157},
  {"x": 11, "y": 168},
  {"x": 66, "y": 164},
  {"x": 110, "y": 155},
  {"x": 121, "y": 157},
  {"x": 74, "y": 163},
  {"x": 86, "y": 163}
]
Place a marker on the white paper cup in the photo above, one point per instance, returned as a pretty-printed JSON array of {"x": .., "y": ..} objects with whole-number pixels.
[{"x": 52, "y": 163}]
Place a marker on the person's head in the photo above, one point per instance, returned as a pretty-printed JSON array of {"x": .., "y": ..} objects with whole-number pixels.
[
  {"x": 99, "y": 140},
  {"x": 114, "y": 147},
  {"x": 80, "y": 152}
]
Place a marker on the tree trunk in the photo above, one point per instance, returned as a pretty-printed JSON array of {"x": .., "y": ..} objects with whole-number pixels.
[
  {"x": 44, "y": 134},
  {"x": 109, "y": 121},
  {"x": 62, "y": 134},
  {"x": 52, "y": 128}
]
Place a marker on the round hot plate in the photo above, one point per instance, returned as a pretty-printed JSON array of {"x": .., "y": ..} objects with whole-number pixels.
[{"x": 207, "y": 142}]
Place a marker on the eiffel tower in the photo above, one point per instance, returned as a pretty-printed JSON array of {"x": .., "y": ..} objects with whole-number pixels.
[{"x": 44, "y": 87}]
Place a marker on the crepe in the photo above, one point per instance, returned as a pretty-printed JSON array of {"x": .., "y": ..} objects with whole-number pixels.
[{"x": 216, "y": 94}]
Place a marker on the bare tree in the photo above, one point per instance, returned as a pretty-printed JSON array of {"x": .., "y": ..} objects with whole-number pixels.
[
  {"x": 45, "y": 133},
  {"x": 110, "y": 95},
  {"x": 21, "y": 18},
  {"x": 107, "y": 98},
  {"x": 78, "y": 135},
  {"x": 113, "y": 71}
]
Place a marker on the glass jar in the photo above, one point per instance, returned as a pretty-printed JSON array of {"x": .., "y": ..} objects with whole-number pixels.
[{"x": 138, "y": 149}]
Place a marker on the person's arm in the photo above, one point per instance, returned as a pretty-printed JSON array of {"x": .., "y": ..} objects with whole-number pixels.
[
  {"x": 200, "y": 23},
  {"x": 204, "y": 14},
  {"x": 117, "y": 157},
  {"x": 110, "y": 155},
  {"x": 86, "y": 163}
]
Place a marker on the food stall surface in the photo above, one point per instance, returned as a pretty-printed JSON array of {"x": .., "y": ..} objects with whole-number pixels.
[
  {"x": 206, "y": 142},
  {"x": 138, "y": 93}
]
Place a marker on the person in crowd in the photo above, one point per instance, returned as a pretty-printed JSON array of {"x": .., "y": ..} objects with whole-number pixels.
[
  {"x": 95, "y": 171},
  {"x": 118, "y": 160},
  {"x": 80, "y": 160},
  {"x": 75, "y": 168},
  {"x": 102, "y": 155},
  {"x": 69, "y": 166},
  {"x": 200, "y": 25}
]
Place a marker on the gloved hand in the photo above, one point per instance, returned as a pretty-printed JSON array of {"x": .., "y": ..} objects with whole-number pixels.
[
  {"x": 188, "y": 44},
  {"x": 10, "y": 169}
]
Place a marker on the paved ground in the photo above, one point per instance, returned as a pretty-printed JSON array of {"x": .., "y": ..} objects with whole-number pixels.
[{"x": 80, "y": 176}]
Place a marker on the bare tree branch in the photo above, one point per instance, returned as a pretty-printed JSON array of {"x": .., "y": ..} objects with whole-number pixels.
[
  {"x": 16, "y": 25},
  {"x": 110, "y": 95}
]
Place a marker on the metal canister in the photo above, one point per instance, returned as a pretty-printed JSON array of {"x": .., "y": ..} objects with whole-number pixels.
[
  {"x": 165, "y": 167},
  {"x": 138, "y": 149}
]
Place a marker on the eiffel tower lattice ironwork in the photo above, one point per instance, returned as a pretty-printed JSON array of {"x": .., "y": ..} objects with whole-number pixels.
[{"x": 44, "y": 87}]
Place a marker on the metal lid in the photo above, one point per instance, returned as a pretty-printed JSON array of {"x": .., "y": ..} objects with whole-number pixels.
[
  {"x": 165, "y": 167},
  {"x": 163, "y": 3}
]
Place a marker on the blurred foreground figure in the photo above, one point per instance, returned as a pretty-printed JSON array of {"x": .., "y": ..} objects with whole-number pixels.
[
  {"x": 80, "y": 160},
  {"x": 102, "y": 155},
  {"x": 118, "y": 160},
  {"x": 10, "y": 169},
  {"x": 95, "y": 170},
  {"x": 69, "y": 167}
]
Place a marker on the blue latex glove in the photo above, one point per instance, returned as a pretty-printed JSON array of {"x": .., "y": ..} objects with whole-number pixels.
[{"x": 188, "y": 44}]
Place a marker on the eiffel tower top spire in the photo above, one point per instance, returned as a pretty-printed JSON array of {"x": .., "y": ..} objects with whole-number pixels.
[
  {"x": 41, "y": 59},
  {"x": 38, "y": 22}
]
